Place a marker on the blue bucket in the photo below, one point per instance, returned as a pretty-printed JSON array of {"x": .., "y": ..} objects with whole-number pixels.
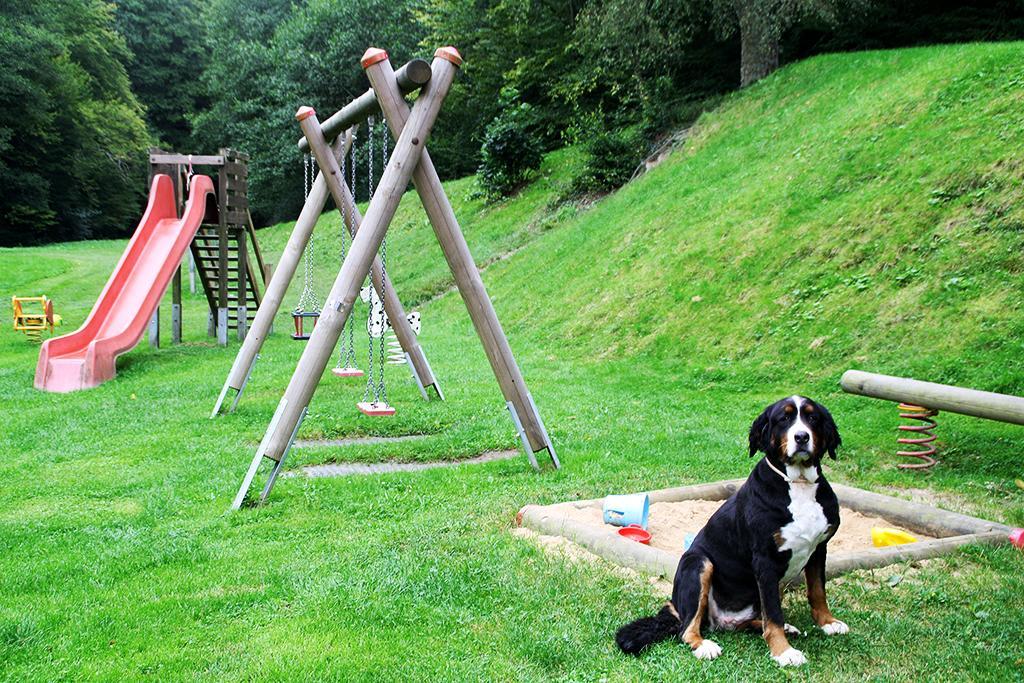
[{"x": 627, "y": 509}]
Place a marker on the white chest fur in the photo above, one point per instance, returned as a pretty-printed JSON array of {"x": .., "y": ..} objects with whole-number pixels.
[{"x": 808, "y": 528}]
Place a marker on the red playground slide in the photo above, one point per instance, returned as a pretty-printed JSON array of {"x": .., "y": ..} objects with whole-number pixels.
[{"x": 86, "y": 358}]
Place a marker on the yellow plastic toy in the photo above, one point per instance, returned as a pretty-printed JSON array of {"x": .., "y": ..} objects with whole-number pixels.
[
  {"x": 33, "y": 315},
  {"x": 882, "y": 536}
]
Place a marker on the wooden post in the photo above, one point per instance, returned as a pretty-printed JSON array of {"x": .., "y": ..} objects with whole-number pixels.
[
  {"x": 176, "y": 306},
  {"x": 154, "y": 329},
  {"x": 320, "y": 347},
  {"x": 222, "y": 256},
  {"x": 467, "y": 277},
  {"x": 392, "y": 304},
  {"x": 984, "y": 404},
  {"x": 243, "y": 289}
]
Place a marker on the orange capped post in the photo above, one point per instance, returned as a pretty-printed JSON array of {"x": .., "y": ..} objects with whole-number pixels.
[
  {"x": 450, "y": 54},
  {"x": 304, "y": 113},
  {"x": 372, "y": 56}
]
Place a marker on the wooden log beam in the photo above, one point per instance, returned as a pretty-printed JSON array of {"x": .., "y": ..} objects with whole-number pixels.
[
  {"x": 320, "y": 347},
  {"x": 414, "y": 75},
  {"x": 467, "y": 277},
  {"x": 186, "y": 159},
  {"x": 984, "y": 404}
]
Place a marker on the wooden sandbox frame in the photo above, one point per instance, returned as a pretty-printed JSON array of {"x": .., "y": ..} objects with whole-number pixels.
[{"x": 952, "y": 530}]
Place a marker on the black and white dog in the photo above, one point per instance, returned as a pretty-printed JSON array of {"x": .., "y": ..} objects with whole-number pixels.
[{"x": 775, "y": 526}]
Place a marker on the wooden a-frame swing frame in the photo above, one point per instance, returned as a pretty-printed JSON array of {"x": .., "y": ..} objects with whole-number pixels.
[{"x": 409, "y": 161}]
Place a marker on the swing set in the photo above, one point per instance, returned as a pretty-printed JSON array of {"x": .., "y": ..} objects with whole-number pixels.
[{"x": 409, "y": 161}]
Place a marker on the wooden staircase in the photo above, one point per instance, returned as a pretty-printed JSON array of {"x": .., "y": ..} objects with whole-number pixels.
[{"x": 206, "y": 255}]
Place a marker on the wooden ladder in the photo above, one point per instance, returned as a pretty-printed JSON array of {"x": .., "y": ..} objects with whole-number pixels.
[{"x": 205, "y": 253}]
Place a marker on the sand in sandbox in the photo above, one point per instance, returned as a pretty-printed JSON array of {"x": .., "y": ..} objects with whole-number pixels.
[{"x": 670, "y": 522}]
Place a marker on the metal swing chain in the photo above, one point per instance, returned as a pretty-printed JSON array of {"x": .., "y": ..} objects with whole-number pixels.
[
  {"x": 344, "y": 228},
  {"x": 308, "y": 297},
  {"x": 347, "y": 350},
  {"x": 381, "y": 388},
  {"x": 370, "y": 385}
]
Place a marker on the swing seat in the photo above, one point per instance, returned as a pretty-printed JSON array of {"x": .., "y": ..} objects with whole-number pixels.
[
  {"x": 375, "y": 409},
  {"x": 298, "y": 317},
  {"x": 347, "y": 372}
]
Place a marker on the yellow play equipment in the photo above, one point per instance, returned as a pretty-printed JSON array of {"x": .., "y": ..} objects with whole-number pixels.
[
  {"x": 33, "y": 315},
  {"x": 883, "y": 536}
]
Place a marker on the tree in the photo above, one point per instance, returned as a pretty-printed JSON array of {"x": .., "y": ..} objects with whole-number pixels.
[
  {"x": 515, "y": 44},
  {"x": 268, "y": 58},
  {"x": 168, "y": 55},
  {"x": 72, "y": 138},
  {"x": 761, "y": 24}
]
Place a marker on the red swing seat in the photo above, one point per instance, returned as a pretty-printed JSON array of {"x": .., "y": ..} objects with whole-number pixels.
[{"x": 375, "y": 409}]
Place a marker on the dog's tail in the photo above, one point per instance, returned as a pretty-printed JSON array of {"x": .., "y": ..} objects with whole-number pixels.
[{"x": 637, "y": 635}]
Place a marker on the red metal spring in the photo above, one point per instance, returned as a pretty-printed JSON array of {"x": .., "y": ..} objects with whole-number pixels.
[{"x": 923, "y": 443}]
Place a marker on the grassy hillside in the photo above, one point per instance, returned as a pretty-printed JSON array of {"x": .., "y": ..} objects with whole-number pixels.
[{"x": 858, "y": 210}]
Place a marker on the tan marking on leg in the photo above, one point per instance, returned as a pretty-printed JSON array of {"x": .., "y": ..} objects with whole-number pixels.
[
  {"x": 672, "y": 609},
  {"x": 691, "y": 635},
  {"x": 816, "y": 597},
  {"x": 775, "y": 636}
]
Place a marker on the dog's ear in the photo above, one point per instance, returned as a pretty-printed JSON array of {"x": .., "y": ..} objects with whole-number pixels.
[
  {"x": 760, "y": 432},
  {"x": 829, "y": 432}
]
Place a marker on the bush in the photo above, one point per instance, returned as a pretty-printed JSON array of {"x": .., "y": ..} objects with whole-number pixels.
[
  {"x": 611, "y": 159},
  {"x": 512, "y": 150}
]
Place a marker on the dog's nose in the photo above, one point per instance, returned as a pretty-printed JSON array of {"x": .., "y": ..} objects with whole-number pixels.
[{"x": 801, "y": 438}]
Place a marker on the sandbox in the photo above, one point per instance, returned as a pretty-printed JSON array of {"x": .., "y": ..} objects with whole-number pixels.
[{"x": 678, "y": 511}]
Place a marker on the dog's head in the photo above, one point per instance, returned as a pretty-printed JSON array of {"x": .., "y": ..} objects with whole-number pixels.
[{"x": 795, "y": 431}]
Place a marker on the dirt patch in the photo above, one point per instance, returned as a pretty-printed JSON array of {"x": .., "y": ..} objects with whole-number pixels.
[
  {"x": 669, "y": 523},
  {"x": 357, "y": 441},
  {"x": 344, "y": 469}
]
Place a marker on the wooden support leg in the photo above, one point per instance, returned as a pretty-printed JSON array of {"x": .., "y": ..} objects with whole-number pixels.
[
  {"x": 342, "y": 196},
  {"x": 467, "y": 277},
  {"x": 242, "y": 268},
  {"x": 320, "y": 348},
  {"x": 222, "y": 257},
  {"x": 222, "y": 326},
  {"x": 277, "y": 286},
  {"x": 154, "y": 329},
  {"x": 176, "y": 307}
]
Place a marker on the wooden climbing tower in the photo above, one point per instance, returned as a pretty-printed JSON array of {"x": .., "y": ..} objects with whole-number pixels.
[{"x": 230, "y": 275}]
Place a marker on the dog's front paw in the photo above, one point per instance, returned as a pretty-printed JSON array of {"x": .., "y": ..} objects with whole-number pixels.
[
  {"x": 708, "y": 649},
  {"x": 791, "y": 657},
  {"x": 835, "y": 628},
  {"x": 792, "y": 630}
]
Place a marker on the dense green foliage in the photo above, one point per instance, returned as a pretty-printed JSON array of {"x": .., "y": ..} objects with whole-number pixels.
[
  {"x": 281, "y": 56},
  {"x": 218, "y": 73},
  {"x": 852, "y": 210},
  {"x": 168, "y": 59},
  {"x": 512, "y": 150},
  {"x": 611, "y": 159},
  {"x": 72, "y": 138}
]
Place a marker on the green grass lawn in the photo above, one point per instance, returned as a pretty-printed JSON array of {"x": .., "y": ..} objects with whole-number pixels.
[{"x": 860, "y": 210}]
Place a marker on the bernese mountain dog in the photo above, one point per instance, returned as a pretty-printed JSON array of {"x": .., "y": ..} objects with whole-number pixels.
[{"x": 775, "y": 526}]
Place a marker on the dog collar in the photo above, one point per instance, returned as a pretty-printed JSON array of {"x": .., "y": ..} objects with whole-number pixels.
[
  {"x": 784, "y": 476},
  {"x": 775, "y": 469}
]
